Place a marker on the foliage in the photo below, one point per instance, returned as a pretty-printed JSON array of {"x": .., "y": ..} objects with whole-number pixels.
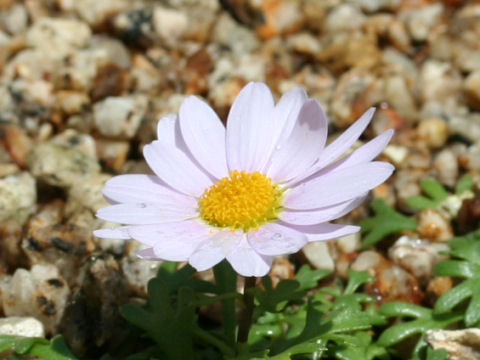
[
  {"x": 386, "y": 221},
  {"x": 436, "y": 194},
  {"x": 465, "y": 264},
  {"x": 23, "y": 348}
]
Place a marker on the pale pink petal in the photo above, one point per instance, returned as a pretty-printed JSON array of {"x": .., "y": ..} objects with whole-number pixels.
[
  {"x": 302, "y": 148},
  {"x": 140, "y": 214},
  {"x": 247, "y": 262},
  {"x": 214, "y": 249},
  {"x": 326, "y": 231},
  {"x": 147, "y": 254},
  {"x": 136, "y": 188},
  {"x": 249, "y": 140},
  {"x": 274, "y": 239},
  {"x": 166, "y": 128},
  {"x": 286, "y": 112},
  {"x": 340, "y": 145},
  {"x": 172, "y": 241},
  {"x": 120, "y": 232},
  {"x": 318, "y": 216},
  {"x": 175, "y": 168},
  {"x": 338, "y": 186},
  {"x": 204, "y": 135},
  {"x": 366, "y": 152}
]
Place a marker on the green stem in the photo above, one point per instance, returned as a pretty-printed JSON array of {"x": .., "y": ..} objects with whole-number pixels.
[
  {"x": 247, "y": 313},
  {"x": 226, "y": 282},
  {"x": 213, "y": 340}
]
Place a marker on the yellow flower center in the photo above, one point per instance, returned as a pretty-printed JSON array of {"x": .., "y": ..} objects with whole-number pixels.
[{"x": 241, "y": 201}]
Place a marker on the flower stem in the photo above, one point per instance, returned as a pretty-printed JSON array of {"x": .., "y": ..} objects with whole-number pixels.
[{"x": 247, "y": 313}]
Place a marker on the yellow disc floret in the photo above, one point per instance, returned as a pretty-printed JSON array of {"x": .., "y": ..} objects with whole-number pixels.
[{"x": 241, "y": 201}]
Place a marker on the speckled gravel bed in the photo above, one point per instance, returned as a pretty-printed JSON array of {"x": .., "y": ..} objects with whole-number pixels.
[{"x": 84, "y": 82}]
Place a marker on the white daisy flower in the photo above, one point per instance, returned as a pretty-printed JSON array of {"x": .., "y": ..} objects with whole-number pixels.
[{"x": 265, "y": 185}]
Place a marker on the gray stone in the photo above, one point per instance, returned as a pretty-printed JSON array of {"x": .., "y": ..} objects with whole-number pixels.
[
  {"x": 18, "y": 196},
  {"x": 21, "y": 326},
  {"x": 60, "y": 165}
]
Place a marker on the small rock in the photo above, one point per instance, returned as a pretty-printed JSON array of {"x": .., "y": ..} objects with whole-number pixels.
[
  {"x": 434, "y": 226},
  {"x": 87, "y": 193},
  {"x": 228, "y": 33},
  {"x": 59, "y": 36},
  {"x": 318, "y": 255},
  {"x": 438, "y": 286},
  {"x": 14, "y": 19},
  {"x": 10, "y": 247},
  {"x": 420, "y": 21},
  {"x": 344, "y": 17},
  {"x": 72, "y": 102},
  {"x": 460, "y": 344},
  {"x": 446, "y": 165},
  {"x": 433, "y": 131},
  {"x": 92, "y": 318},
  {"x": 60, "y": 165},
  {"x": 112, "y": 153},
  {"x": 16, "y": 142},
  {"x": 21, "y": 326},
  {"x": 40, "y": 292},
  {"x": 393, "y": 282},
  {"x": 418, "y": 256},
  {"x": 471, "y": 86},
  {"x": 75, "y": 140},
  {"x": 349, "y": 243},
  {"x": 119, "y": 116},
  {"x": 18, "y": 197},
  {"x": 137, "y": 271},
  {"x": 169, "y": 24},
  {"x": 96, "y": 12},
  {"x": 440, "y": 81}
]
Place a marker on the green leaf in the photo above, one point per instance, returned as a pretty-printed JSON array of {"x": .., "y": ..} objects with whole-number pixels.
[
  {"x": 226, "y": 282},
  {"x": 385, "y": 222},
  {"x": 424, "y": 319},
  {"x": 434, "y": 190},
  {"x": 275, "y": 299},
  {"x": 56, "y": 349},
  {"x": 439, "y": 354},
  {"x": 464, "y": 184},
  {"x": 309, "y": 278},
  {"x": 357, "y": 279},
  {"x": 170, "y": 325},
  {"x": 177, "y": 278},
  {"x": 466, "y": 250}
]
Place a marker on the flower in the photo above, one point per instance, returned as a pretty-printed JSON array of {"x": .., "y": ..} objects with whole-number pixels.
[{"x": 265, "y": 185}]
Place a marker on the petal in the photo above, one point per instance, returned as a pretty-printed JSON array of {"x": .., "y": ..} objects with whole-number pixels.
[
  {"x": 120, "y": 232},
  {"x": 147, "y": 254},
  {"x": 321, "y": 215},
  {"x": 215, "y": 249},
  {"x": 172, "y": 241},
  {"x": 341, "y": 144},
  {"x": 275, "y": 239},
  {"x": 141, "y": 214},
  {"x": 247, "y": 262},
  {"x": 175, "y": 168},
  {"x": 338, "y": 186},
  {"x": 166, "y": 128},
  {"x": 250, "y": 126},
  {"x": 326, "y": 231},
  {"x": 303, "y": 146},
  {"x": 366, "y": 152},
  {"x": 204, "y": 135},
  {"x": 286, "y": 112},
  {"x": 136, "y": 188}
]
